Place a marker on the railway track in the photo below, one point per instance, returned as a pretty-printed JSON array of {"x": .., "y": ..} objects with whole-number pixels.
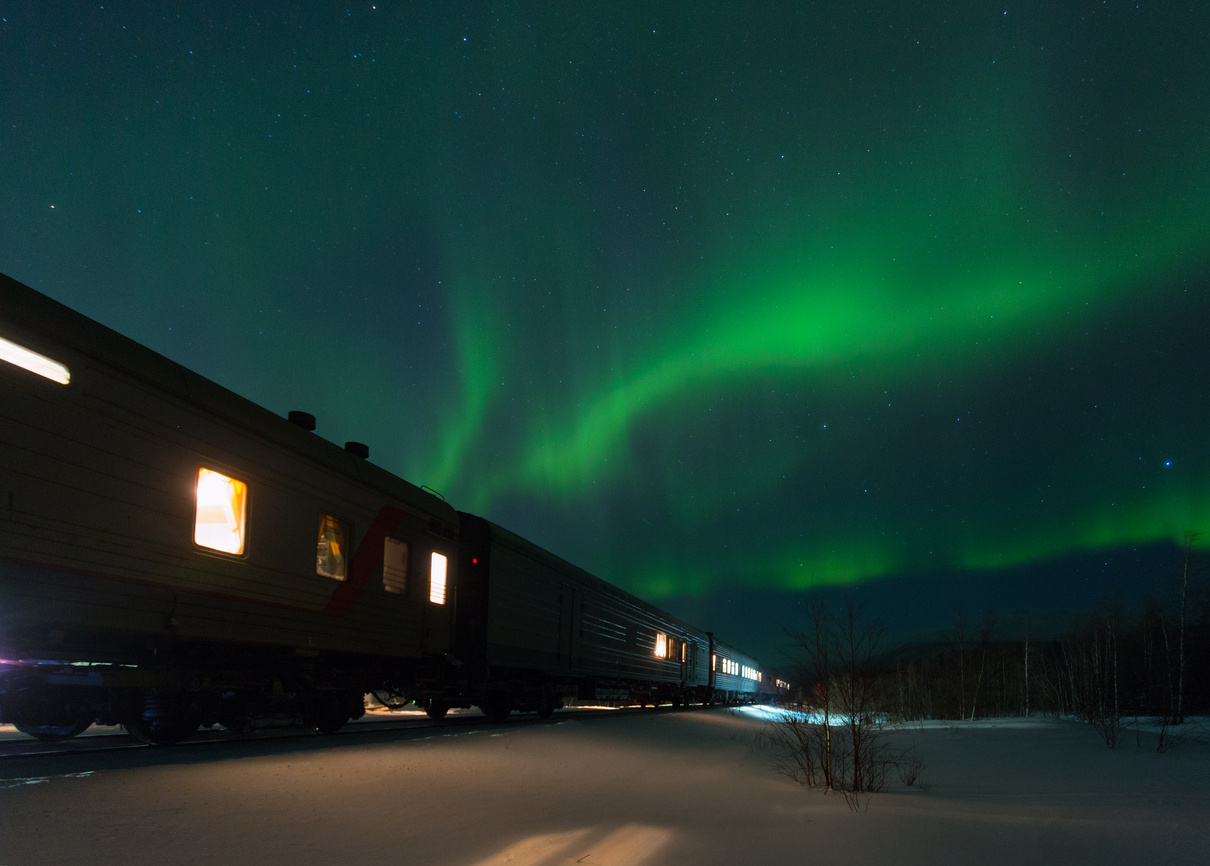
[{"x": 15, "y": 745}]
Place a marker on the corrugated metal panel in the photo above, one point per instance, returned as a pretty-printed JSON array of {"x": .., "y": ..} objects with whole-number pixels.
[{"x": 549, "y": 615}]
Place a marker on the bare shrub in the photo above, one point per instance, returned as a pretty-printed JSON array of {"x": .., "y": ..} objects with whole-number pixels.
[{"x": 910, "y": 766}]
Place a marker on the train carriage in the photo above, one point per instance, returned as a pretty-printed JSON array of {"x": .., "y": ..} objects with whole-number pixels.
[
  {"x": 737, "y": 678},
  {"x": 535, "y": 630},
  {"x": 172, "y": 553}
]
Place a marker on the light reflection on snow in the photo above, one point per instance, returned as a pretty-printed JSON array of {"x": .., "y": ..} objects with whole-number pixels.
[
  {"x": 630, "y": 845},
  {"x": 38, "y": 780},
  {"x": 781, "y": 714}
]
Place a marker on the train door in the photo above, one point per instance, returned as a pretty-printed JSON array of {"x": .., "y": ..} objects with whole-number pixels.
[
  {"x": 570, "y": 602},
  {"x": 439, "y": 605}
]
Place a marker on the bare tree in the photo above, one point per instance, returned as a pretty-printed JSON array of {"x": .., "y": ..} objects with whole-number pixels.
[
  {"x": 960, "y": 645},
  {"x": 985, "y": 641},
  {"x": 1186, "y": 565},
  {"x": 841, "y": 745}
]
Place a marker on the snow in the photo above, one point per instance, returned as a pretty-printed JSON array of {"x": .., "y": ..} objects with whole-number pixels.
[{"x": 661, "y": 787}]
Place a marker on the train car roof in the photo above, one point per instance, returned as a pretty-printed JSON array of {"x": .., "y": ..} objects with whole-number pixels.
[{"x": 41, "y": 323}]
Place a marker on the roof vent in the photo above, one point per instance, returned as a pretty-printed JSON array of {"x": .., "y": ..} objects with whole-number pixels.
[
  {"x": 358, "y": 449},
  {"x": 304, "y": 420}
]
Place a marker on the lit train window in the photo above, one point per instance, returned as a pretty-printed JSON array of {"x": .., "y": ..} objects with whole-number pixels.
[
  {"x": 713, "y": 662},
  {"x": 394, "y": 566},
  {"x": 661, "y": 645},
  {"x": 675, "y": 650},
  {"x": 331, "y": 550},
  {"x": 28, "y": 359},
  {"x": 437, "y": 580},
  {"x": 222, "y": 504}
]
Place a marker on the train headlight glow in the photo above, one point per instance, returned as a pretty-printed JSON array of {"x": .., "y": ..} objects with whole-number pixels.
[
  {"x": 437, "y": 581},
  {"x": 28, "y": 359},
  {"x": 221, "y": 512}
]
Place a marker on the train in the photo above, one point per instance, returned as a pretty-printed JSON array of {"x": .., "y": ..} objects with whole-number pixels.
[{"x": 174, "y": 556}]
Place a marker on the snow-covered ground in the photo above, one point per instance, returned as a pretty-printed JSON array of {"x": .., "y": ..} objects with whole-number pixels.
[{"x": 690, "y": 787}]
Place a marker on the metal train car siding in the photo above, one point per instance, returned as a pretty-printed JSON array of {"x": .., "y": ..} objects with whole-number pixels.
[{"x": 172, "y": 556}]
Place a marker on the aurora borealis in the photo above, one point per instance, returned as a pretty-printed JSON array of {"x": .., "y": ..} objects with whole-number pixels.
[{"x": 710, "y": 299}]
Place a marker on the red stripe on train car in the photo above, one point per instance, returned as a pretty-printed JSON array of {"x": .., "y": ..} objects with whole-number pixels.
[{"x": 365, "y": 559}]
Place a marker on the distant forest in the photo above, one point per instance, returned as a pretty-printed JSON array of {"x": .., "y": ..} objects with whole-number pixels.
[{"x": 1114, "y": 663}]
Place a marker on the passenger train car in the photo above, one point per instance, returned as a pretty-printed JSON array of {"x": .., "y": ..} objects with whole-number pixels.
[{"x": 172, "y": 555}]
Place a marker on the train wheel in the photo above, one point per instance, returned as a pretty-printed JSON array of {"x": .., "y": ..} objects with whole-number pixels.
[
  {"x": 163, "y": 730},
  {"x": 55, "y": 733},
  {"x": 328, "y": 715},
  {"x": 497, "y": 708},
  {"x": 165, "y": 720},
  {"x": 437, "y": 709}
]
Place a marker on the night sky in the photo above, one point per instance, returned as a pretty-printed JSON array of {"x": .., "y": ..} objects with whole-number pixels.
[{"x": 721, "y": 301}]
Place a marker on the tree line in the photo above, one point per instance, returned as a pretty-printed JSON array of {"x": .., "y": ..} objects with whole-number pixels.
[{"x": 1112, "y": 664}]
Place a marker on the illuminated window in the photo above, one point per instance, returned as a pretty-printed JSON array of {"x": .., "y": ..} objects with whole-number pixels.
[
  {"x": 437, "y": 580},
  {"x": 661, "y": 645},
  {"x": 748, "y": 672},
  {"x": 330, "y": 550},
  {"x": 675, "y": 649},
  {"x": 27, "y": 359},
  {"x": 713, "y": 662},
  {"x": 221, "y": 512},
  {"x": 394, "y": 566}
]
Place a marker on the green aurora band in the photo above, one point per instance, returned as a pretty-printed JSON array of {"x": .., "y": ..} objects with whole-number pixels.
[{"x": 699, "y": 297}]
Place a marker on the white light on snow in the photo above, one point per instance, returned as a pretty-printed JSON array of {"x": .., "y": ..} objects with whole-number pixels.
[{"x": 30, "y": 360}]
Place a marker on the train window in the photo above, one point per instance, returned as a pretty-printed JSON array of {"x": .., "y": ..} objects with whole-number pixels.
[
  {"x": 28, "y": 359},
  {"x": 674, "y": 649},
  {"x": 221, "y": 512},
  {"x": 394, "y": 566},
  {"x": 331, "y": 559},
  {"x": 437, "y": 580},
  {"x": 713, "y": 662},
  {"x": 661, "y": 645}
]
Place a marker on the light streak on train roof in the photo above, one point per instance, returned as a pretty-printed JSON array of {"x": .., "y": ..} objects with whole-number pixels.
[{"x": 30, "y": 360}]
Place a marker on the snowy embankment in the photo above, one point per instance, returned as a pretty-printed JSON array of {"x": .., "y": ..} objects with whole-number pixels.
[{"x": 690, "y": 787}]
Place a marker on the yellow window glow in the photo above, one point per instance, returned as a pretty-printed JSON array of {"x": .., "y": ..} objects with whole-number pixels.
[
  {"x": 221, "y": 512},
  {"x": 28, "y": 359},
  {"x": 330, "y": 549},
  {"x": 661, "y": 645},
  {"x": 437, "y": 580}
]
